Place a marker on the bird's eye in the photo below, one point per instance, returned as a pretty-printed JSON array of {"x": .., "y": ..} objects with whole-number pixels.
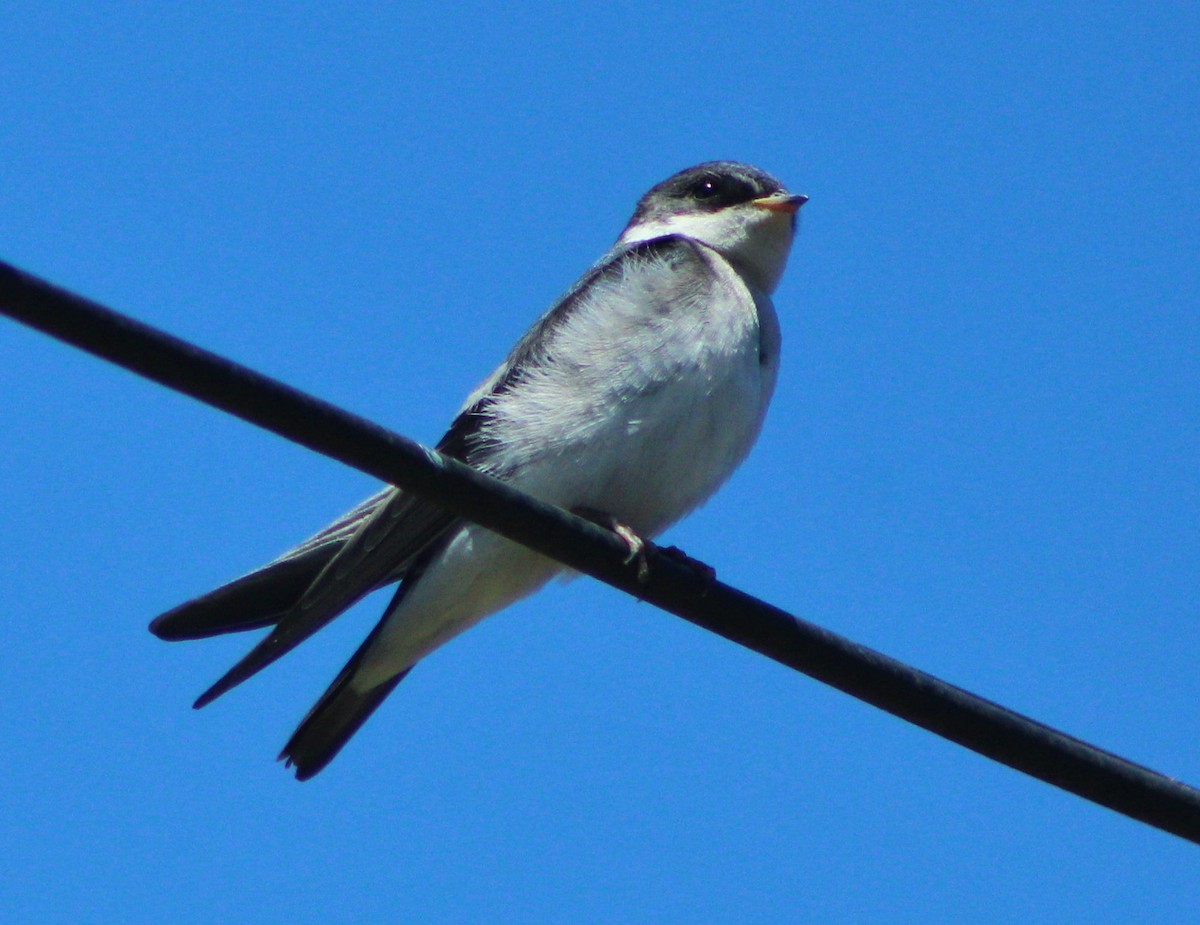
[{"x": 706, "y": 188}]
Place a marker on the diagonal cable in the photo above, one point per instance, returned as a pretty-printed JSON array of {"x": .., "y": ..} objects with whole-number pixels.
[{"x": 676, "y": 586}]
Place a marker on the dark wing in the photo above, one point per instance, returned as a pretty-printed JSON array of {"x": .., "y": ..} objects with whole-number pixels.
[
  {"x": 343, "y": 708},
  {"x": 464, "y": 439},
  {"x": 374, "y": 548},
  {"x": 263, "y": 596},
  {"x": 374, "y": 545},
  {"x": 380, "y": 551}
]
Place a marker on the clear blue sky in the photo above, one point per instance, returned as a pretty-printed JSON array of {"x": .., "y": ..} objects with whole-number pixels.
[{"x": 983, "y": 457}]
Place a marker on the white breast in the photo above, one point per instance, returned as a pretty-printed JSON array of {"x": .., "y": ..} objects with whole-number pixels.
[{"x": 644, "y": 416}]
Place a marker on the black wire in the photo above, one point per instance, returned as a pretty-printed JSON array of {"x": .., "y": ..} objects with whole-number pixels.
[{"x": 677, "y": 586}]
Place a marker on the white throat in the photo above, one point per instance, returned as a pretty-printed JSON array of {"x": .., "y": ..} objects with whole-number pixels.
[{"x": 756, "y": 241}]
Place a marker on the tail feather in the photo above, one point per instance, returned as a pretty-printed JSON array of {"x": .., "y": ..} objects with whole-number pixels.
[
  {"x": 251, "y": 602},
  {"x": 339, "y": 713},
  {"x": 342, "y": 709},
  {"x": 330, "y": 724},
  {"x": 386, "y": 547},
  {"x": 266, "y": 594},
  {"x": 390, "y": 537}
]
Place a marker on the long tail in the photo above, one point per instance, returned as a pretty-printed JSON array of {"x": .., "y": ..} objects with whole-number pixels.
[
  {"x": 266, "y": 594},
  {"x": 340, "y": 712},
  {"x": 374, "y": 545},
  {"x": 252, "y": 601}
]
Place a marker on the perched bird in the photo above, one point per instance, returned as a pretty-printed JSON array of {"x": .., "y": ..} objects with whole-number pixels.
[{"x": 635, "y": 396}]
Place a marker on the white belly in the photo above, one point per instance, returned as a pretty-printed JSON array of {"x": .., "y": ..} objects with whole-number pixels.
[{"x": 641, "y": 423}]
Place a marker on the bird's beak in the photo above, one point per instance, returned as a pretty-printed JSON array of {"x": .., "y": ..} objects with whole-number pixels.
[{"x": 780, "y": 202}]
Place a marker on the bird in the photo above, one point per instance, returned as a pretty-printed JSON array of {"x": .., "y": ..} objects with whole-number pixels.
[{"x": 633, "y": 398}]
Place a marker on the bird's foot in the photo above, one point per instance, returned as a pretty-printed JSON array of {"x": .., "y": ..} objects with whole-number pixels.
[{"x": 637, "y": 546}]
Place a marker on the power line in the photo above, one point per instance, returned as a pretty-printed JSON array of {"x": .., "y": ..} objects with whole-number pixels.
[{"x": 677, "y": 586}]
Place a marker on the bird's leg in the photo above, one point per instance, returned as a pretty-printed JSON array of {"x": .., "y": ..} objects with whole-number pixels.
[{"x": 637, "y": 545}]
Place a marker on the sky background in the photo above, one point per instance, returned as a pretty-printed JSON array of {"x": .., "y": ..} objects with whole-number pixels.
[{"x": 983, "y": 457}]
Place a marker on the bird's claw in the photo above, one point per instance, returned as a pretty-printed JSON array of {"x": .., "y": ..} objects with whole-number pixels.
[{"x": 638, "y": 549}]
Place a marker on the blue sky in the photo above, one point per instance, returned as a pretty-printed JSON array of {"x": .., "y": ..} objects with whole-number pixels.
[{"x": 983, "y": 457}]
